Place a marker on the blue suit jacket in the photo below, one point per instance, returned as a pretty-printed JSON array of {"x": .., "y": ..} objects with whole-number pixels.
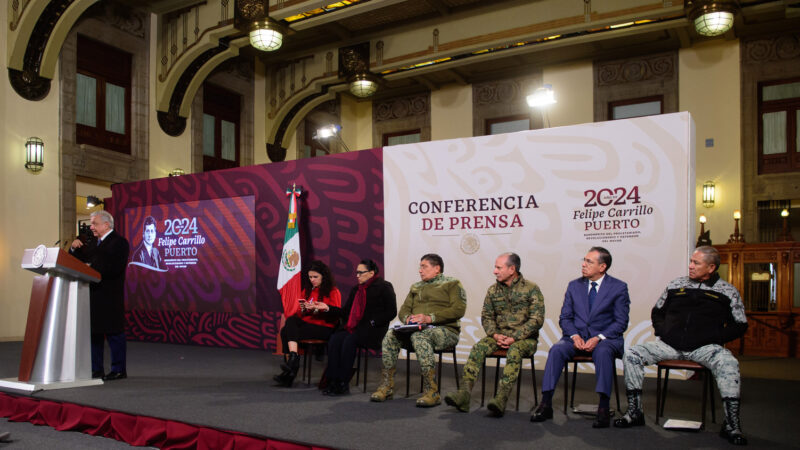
[{"x": 608, "y": 317}]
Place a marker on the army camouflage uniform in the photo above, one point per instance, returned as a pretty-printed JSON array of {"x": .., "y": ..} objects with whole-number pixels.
[
  {"x": 442, "y": 298},
  {"x": 516, "y": 311}
]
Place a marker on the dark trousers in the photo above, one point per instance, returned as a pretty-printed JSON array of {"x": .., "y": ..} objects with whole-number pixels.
[
  {"x": 296, "y": 329},
  {"x": 118, "y": 346},
  {"x": 603, "y": 357},
  {"x": 342, "y": 348}
]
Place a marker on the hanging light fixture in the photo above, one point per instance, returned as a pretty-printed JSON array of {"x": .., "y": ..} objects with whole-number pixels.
[
  {"x": 92, "y": 201},
  {"x": 711, "y": 18},
  {"x": 265, "y": 36},
  {"x": 363, "y": 85},
  {"x": 34, "y": 154},
  {"x": 177, "y": 172}
]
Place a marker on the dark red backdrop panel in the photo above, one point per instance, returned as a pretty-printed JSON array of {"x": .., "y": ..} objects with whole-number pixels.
[{"x": 341, "y": 222}]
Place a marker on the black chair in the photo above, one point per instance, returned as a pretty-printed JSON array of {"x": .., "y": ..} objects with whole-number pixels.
[
  {"x": 309, "y": 346},
  {"x": 410, "y": 350},
  {"x": 680, "y": 364},
  {"x": 362, "y": 351},
  {"x": 498, "y": 355},
  {"x": 582, "y": 358}
]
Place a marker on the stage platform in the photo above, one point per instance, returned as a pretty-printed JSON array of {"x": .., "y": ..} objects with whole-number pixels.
[{"x": 229, "y": 389}]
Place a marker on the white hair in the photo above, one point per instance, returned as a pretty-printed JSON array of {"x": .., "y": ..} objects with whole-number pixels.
[{"x": 105, "y": 216}]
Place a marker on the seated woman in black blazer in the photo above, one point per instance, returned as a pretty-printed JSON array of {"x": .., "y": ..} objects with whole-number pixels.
[{"x": 365, "y": 319}]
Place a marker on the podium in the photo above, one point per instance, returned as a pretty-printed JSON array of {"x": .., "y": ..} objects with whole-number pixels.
[{"x": 56, "y": 353}]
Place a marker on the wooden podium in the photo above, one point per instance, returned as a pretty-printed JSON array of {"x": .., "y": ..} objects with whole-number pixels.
[{"x": 56, "y": 353}]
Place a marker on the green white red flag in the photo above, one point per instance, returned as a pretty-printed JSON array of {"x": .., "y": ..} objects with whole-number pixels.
[{"x": 290, "y": 273}]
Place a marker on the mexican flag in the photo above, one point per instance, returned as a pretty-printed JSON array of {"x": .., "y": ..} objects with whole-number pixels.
[{"x": 290, "y": 273}]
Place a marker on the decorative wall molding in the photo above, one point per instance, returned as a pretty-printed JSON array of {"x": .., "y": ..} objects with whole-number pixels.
[
  {"x": 401, "y": 108},
  {"x": 648, "y": 68},
  {"x": 772, "y": 48}
]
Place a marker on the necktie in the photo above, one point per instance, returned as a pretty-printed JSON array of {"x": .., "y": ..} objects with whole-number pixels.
[{"x": 592, "y": 295}]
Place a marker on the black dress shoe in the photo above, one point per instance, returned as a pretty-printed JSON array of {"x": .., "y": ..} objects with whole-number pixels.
[
  {"x": 603, "y": 418},
  {"x": 111, "y": 376},
  {"x": 542, "y": 413},
  {"x": 98, "y": 374}
]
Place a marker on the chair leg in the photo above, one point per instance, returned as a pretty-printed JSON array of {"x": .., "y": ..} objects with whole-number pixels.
[
  {"x": 366, "y": 368},
  {"x": 566, "y": 385},
  {"x": 703, "y": 407},
  {"x": 533, "y": 378},
  {"x": 519, "y": 386},
  {"x": 658, "y": 393},
  {"x": 664, "y": 391},
  {"x": 496, "y": 375},
  {"x": 408, "y": 372},
  {"x": 358, "y": 366},
  {"x": 710, "y": 380},
  {"x": 574, "y": 382},
  {"x": 455, "y": 369},
  {"x": 616, "y": 389},
  {"x": 483, "y": 381},
  {"x": 439, "y": 372}
]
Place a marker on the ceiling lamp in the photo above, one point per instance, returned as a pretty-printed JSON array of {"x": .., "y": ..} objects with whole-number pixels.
[
  {"x": 711, "y": 18},
  {"x": 363, "y": 85},
  {"x": 265, "y": 37}
]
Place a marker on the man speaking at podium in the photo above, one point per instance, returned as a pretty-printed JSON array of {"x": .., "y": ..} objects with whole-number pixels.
[{"x": 107, "y": 254}]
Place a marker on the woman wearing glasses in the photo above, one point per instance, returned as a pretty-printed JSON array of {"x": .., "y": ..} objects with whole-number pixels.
[
  {"x": 314, "y": 320},
  {"x": 365, "y": 319}
]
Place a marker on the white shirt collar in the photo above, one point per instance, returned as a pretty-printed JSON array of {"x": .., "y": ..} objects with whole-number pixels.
[
  {"x": 599, "y": 281},
  {"x": 103, "y": 237}
]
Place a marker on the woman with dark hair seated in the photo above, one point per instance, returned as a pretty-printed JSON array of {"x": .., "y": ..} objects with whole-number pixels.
[
  {"x": 365, "y": 318},
  {"x": 314, "y": 319}
]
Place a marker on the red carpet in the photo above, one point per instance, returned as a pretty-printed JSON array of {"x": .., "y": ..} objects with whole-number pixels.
[{"x": 132, "y": 429}]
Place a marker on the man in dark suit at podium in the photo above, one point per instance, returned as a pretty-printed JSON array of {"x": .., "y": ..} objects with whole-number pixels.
[
  {"x": 593, "y": 318},
  {"x": 107, "y": 254}
]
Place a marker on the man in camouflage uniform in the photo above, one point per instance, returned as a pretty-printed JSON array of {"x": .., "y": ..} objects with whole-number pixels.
[
  {"x": 513, "y": 312},
  {"x": 693, "y": 319},
  {"x": 437, "y": 301}
]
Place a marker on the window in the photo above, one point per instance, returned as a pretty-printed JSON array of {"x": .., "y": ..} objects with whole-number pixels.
[
  {"x": 402, "y": 137},
  {"x": 103, "y": 96},
  {"x": 638, "y": 107},
  {"x": 221, "y": 112},
  {"x": 508, "y": 124},
  {"x": 779, "y": 121}
]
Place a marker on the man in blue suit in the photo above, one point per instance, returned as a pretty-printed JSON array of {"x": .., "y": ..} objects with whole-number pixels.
[{"x": 593, "y": 318}]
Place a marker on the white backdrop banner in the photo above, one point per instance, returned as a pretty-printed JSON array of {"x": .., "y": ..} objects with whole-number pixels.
[{"x": 548, "y": 195}]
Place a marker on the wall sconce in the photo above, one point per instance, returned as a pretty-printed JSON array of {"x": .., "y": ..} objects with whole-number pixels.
[
  {"x": 711, "y": 17},
  {"x": 542, "y": 96},
  {"x": 786, "y": 234},
  {"x": 709, "y": 194},
  {"x": 34, "y": 154},
  {"x": 705, "y": 236},
  {"x": 265, "y": 36},
  {"x": 736, "y": 237},
  {"x": 92, "y": 201},
  {"x": 177, "y": 172}
]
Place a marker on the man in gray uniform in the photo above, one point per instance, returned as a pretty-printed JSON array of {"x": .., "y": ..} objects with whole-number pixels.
[{"x": 693, "y": 319}]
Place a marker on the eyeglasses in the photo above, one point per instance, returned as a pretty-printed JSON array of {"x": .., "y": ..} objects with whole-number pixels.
[{"x": 361, "y": 272}]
